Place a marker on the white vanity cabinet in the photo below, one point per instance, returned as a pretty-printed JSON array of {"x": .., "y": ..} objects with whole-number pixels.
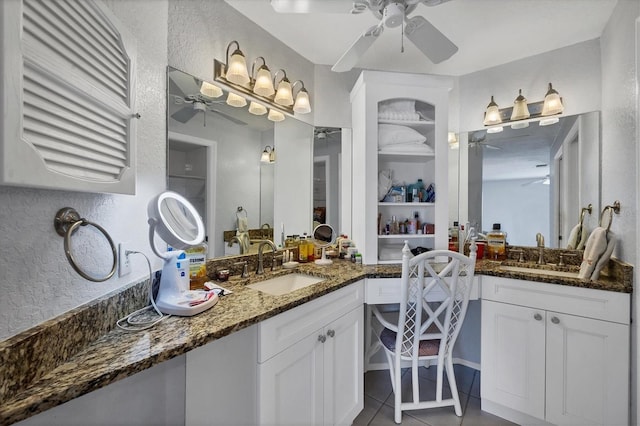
[
  {"x": 310, "y": 362},
  {"x": 554, "y": 353},
  {"x": 390, "y": 112}
]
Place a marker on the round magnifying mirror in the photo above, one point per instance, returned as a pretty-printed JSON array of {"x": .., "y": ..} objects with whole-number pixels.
[{"x": 323, "y": 236}]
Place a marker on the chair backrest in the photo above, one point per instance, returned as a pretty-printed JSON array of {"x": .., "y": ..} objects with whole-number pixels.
[{"x": 440, "y": 272}]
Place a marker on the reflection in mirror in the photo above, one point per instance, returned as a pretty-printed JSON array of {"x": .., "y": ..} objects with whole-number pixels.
[
  {"x": 323, "y": 236},
  {"x": 534, "y": 179},
  {"x": 327, "y": 147},
  {"x": 214, "y": 160}
]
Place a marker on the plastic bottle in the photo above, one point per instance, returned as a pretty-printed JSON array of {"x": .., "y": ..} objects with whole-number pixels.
[
  {"x": 311, "y": 249},
  {"x": 302, "y": 249},
  {"x": 395, "y": 227},
  {"x": 496, "y": 243}
]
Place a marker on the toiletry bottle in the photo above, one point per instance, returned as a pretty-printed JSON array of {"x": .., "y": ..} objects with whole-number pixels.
[
  {"x": 395, "y": 227},
  {"x": 496, "y": 243},
  {"x": 302, "y": 248},
  {"x": 311, "y": 249}
]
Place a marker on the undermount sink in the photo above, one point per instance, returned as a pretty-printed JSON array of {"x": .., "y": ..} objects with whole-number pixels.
[
  {"x": 285, "y": 283},
  {"x": 567, "y": 274}
]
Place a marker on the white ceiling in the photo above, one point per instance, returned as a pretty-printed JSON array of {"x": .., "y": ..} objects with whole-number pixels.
[{"x": 487, "y": 32}]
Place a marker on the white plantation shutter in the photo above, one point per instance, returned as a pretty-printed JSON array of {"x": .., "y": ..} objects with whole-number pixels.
[{"x": 68, "y": 97}]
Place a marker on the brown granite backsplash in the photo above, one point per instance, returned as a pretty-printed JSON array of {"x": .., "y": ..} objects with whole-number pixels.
[
  {"x": 27, "y": 356},
  {"x": 254, "y": 234}
]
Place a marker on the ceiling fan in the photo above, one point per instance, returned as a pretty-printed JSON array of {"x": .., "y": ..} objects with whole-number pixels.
[
  {"x": 478, "y": 139},
  {"x": 325, "y": 132},
  {"x": 391, "y": 13},
  {"x": 195, "y": 102}
]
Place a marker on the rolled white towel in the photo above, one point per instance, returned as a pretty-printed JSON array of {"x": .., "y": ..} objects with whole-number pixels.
[
  {"x": 595, "y": 247},
  {"x": 572, "y": 243},
  {"x": 604, "y": 258}
]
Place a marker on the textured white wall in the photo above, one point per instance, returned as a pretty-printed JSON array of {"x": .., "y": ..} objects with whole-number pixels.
[
  {"x": 36, "y": 280},
  {"x": 620, "y": 52}
]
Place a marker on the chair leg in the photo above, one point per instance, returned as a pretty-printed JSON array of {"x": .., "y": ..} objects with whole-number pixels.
[
  {"x": 397, "y": 393},
  {"x": 453, "y": 386}
]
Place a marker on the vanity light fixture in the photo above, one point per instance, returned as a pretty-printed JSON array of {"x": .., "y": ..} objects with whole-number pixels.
[
  {"x": 268, "y": 155},
  {"x": 522, "y": 113},
  {"x": 452, "y": 138},
  {"x": 492, "y": 114},
  {"x": 259, "y": 88},
  {"x": 262, "y": 85},
  {"x": 302, "y": 104},
  {"x": 236, "y": 100},
  {"x": 257, "y": 109},
  {"x": 284, "y": 94},
  {"x": 552, "y": 103},
  {"x": 275, "y": 115},
  {"x": 237, "y": 66},
  {"x": 520, "y": 108},
  {"x": 210, "y": 90}
]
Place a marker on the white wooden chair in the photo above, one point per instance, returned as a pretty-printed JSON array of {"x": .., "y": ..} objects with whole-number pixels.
[{"x": 426, "y": 332}]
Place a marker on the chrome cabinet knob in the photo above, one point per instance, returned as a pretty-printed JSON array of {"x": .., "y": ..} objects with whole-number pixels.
[
  {"x": 537, "y": 317},
  {"x": 331, "y": 333},
  {"x": 322, "y": 338},
  {"x": 555, "y": 320}
]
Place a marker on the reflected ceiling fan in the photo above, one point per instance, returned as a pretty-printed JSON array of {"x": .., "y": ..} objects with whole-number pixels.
[
  {"x": 325, "y": 132},
  {"x": 194, "y": 102},
  {"x": 478, "y": 139},
  {"x": 391, "y": 13}
]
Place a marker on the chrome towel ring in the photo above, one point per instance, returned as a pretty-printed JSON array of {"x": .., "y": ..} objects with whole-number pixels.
[
  {"x": 614, "y": 208},
  {"x": 66, "y": 222}
]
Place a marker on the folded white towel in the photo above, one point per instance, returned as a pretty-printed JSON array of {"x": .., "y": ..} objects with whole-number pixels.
[
  {"x": 408, "y": 147},
  {"x": 572, "y": 243},
  {"x": 243, "y": 224},
  {"x": 604, "y": 258},
  {"x": 595, "y": 247}
]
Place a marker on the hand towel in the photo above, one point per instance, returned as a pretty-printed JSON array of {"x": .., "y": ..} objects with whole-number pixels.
[
  {"x": 595, "y": 247},
  {"x": 584, "y": 236},
  {"x": 243, "y": 224},
  {"x": 604, "y": 258},
  {"x": 572, "y": 243}
]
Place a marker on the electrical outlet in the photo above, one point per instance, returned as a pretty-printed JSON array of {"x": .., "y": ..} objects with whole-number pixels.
[{"x": 124, "y": 260}]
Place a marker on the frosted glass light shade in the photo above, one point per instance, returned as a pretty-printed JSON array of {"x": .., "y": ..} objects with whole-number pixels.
[
  {"x": 495, "y": 129},
  {"x": 284, "y": 95},
  {"x": 552, "y": 103},
  {"x": 266, "y": 155},
  {"x": 210, "y": 90},
  {"x": 275, "y": 115},
  {"x": 302, "y": 105},
  {"x": 263, "y": 85},
  {"x": 237, "y": 69},
  {"x": 492, "y": 114},
  {"x": 520, "y": 108},
  {"x": 236, "y": 101},
  {"x": 257, "y": 109}
]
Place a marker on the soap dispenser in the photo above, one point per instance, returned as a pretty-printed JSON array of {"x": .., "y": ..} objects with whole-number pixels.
[{"x": 497, "y": 243}]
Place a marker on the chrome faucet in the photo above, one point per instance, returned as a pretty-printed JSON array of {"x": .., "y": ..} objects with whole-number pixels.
[
  {"x": 260, "y": 269},
  {"x": 235, "y": 239},
  {"x": 540, "y": 241}
]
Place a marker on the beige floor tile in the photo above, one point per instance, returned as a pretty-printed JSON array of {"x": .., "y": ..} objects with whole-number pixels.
[
  {"x": 371, "y": 408},
  {"x": 474, "y": 416},
  {"x": 377, "y": 384}
]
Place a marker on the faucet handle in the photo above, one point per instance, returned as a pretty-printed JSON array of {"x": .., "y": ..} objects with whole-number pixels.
[
  {"x": 521, "y": 254},
  {"x": 562, "y": 256},
  {"x": 245, "y": 268}
]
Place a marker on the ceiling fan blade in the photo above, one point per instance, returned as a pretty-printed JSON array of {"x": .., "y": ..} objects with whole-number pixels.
[
  {"x": 435, "y": 45},
  {"x": 351, "y": 57},
  {"x": 312, "y": 6},
  {"x": 185, "y": 114}
]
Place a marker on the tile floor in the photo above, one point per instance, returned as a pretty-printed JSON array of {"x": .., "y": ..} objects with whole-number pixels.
[{"x": 378, "y": 401}]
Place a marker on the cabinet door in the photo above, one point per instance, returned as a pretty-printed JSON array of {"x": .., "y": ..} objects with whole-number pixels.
[
  {"x": 291, "y": 385},
  {"x": 344, "y": 373},
  {"x": 587, "y": 371},
  {"x": 513, "y": 357}
]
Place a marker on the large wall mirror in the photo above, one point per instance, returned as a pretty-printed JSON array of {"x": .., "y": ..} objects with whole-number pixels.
[
  {"x": 327, "y": 177},
  {"x": 530, "y": 180},
  {"x": 242, "y": 171}
]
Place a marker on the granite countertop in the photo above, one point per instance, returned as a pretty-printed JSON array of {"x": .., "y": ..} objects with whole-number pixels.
[{"x": 116, "y": 354}]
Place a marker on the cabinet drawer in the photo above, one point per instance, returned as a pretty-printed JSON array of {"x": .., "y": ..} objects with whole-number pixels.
[
  {"x": 599, "y": 304},
  {"x": 387, "y": 290},
  {"x": 280, "y": 332}
]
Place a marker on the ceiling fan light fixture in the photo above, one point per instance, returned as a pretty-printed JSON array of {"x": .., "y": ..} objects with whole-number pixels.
[
  {"x": 237, "y": 72},
  {"x": 552, "y": 103},
  {"x": 236, "y": 100},
  {"x": 492, "y": 114},
  {"x": 210, "y": 90},
  {"x": 257, "y": 109},
  {"x": 393, "y": 14},
  {"x": 520, "y": 108},
  {"x": 275, "y": 115}
]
